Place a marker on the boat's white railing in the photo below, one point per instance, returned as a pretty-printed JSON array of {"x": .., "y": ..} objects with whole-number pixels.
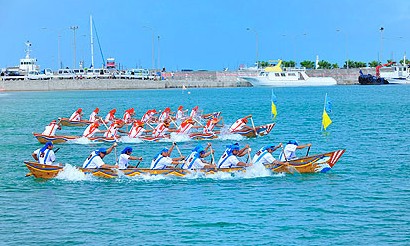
[{"x": 294, "y": 69}]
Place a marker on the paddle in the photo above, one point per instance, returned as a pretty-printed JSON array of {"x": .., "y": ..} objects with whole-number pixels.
[
  {"x": 115, "y": 137},
  {"x": 307, "y": 153},
  {"x": 179, "y": 151},
  {"x": 249, "y": 156},
  {"x": 289, "y": 167},
  {"x": 212, "y": 155},
  {"x": 176, "y": 146},
  {"x": 198, "y": 122},
  {"x": 148, "y": 124},
  {"x": 101, "y": 119},
  {"x": 138, "y": 164},
  {"x": 254, "y": 129},
  {"x": 176, "y": 125}
]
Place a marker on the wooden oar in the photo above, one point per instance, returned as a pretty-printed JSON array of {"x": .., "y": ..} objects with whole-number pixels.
[
  {"x": 179, "y": 151},
  {"x": 212, "y": 155},
  {"x": 116, "y": 140},
  {"x": 198, "y": 122},
  {"x": 253, "y": 125},
  {"x": 148, "y": 124},
  {"x": 249, "y": 156},
  {"x": 307, "y": 153},
  {"x": 138, "y": 164},
  {"x": 176, "y": 125},
  {"x": 289, "y": 167}
]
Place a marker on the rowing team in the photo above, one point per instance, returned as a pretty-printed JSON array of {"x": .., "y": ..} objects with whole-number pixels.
[
  {"x": 195, "y": 160},
  {"x": 159, "y": 131},
  {"x": 149, "y": 116}
]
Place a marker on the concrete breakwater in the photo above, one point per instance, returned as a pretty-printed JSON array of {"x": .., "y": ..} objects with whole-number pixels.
[{"x": 192, "y": 79}]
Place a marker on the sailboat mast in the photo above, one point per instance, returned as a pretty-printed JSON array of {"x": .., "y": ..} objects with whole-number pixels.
[{"x": 92, "y": 41}]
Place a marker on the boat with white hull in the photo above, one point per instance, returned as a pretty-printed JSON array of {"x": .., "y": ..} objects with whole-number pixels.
[
  {"x": 397, "y": 74},
  {"x": 275, "y": 76}
]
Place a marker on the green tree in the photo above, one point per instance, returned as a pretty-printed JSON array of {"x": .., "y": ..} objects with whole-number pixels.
[
  {"x": 335, "y": 65},
  {"x": 407, "y": 61},
  {"x": 289, "y": 63},
  {"x": 373, "y": 64},
  {"x": 307, "y": 64},
  {"x": 324, "y": 64},
  {"x": 355, "y": 64},
  {"x": 263, "y": 64}
]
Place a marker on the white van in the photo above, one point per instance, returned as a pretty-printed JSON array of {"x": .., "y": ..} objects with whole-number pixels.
[
  {"x": 101, "y": 73},
  {"x": 137, "y": 73},
  {"x": 65, "y": 74},
  {"x": 35, "y": 75}
]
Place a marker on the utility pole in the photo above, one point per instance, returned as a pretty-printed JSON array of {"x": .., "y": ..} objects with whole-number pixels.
[
  {"x": 159, "y": 64},
  {"x": 74, "y": 28},
  {"x": 152, "y": 47},
  {"x": 347, "y": 53},
  {"x": 257, "y": 45},
  {"x": 381, "y": 44},
  {"x": 91, "y": 41}
]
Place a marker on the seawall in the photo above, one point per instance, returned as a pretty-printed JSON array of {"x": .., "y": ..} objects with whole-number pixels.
[{"x": 194, "y": 79}]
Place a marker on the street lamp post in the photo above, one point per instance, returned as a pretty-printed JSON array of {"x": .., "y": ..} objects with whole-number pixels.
[
  {"x": 59, "y": 63},
  {"x": 158, "y": 62},
  {"x": 381, "y": 44},
  {"x": 152, "y": 47},
  {"x": 347, "y": 53},
  {"x": 74, "y": 28},
  {"x": 256, "y": 44}
]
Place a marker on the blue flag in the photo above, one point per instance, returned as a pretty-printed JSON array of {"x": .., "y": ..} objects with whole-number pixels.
[{"x": 328, "y": 106}]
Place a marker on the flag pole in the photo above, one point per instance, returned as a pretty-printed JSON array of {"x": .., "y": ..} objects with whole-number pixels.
[
  {"x": 271, "y": 98},
  {"x": 324, "y": 108}
]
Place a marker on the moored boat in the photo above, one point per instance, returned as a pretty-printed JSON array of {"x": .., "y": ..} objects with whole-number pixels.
[
  {"x": 320, "y": 163},
  {"x": 276, "y": 76}
]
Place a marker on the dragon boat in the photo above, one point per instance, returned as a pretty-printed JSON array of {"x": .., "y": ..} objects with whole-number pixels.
[
  {"x": 67, "y": 122},
  {"x": 320, "y": 163},
  {"x": 258, "y": 131},
  {"x": 62, "y": 139},
  {"x": 249, "y": 133}
]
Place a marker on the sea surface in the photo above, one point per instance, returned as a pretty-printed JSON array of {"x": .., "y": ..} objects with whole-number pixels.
[{"x": 363, "y": 200}]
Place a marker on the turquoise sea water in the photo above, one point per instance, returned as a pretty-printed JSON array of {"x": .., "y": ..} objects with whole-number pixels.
[{"x": 364, "y": 199}]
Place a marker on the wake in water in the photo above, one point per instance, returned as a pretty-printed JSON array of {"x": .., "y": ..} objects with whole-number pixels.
[
  {"x": 126, "y": 139},
  {"x": 72, "y": 173}
]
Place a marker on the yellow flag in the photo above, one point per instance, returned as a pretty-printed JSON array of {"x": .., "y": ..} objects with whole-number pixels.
[
  {"x": 326, "y": 121},
  {"x": 273, "y": 100},
  {"x": 274, "y": 112}
]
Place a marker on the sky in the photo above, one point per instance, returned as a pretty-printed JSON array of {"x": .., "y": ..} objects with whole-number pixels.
[{"x": 208, "y": 34}]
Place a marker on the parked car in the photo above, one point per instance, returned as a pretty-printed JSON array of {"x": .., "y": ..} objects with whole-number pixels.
[
  {"x": 12, "y": 75},
  {"x": 35, "y": 75},
  {"x": 65, "y": 74},
  {"x": 79, "y": 71},
  {"x": 97, "y": 73},
  {"x": 137, "y": 73},
  {"x": 48, "y": 72}
]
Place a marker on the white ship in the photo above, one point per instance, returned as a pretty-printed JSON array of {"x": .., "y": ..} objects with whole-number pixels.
[
  {"x": 276, "y": 76},
  {"x": 28, "y": 63},
  {"x": 396, "y": 74}
]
